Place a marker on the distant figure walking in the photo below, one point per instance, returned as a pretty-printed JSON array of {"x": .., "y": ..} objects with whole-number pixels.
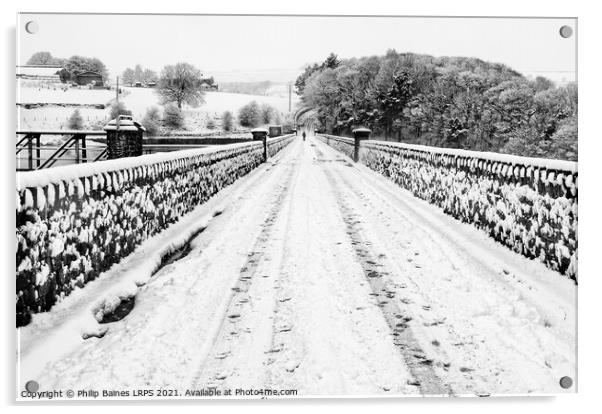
[{"x": 303, "y": 135}]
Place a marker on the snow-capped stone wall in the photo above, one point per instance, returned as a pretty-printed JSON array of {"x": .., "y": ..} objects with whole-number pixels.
[
  {"x": 343, "y": 144},
  {"x": 528, "y": 204},
  {"x": 75, "y": 222}
]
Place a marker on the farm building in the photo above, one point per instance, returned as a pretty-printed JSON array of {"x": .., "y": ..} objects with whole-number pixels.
[
  {"x": 208, "y": 87},
  {"x": 86, "y": 78},
  {"x": 39, "y": 72}
]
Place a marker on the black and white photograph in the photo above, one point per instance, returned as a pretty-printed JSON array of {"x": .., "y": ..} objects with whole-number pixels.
[{"x": 221, "y": 206}]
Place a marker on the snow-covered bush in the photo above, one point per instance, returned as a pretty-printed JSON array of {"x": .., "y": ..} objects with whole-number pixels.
[
  {"x": 152, "y": 121},
  {"x": 528, "y": 204},
  {"x": 75, "y": 121},
  {"x": 211, "y": 123},
  {"x": 173, "y": 117},
  {"x": 118, "y": 108},
  {"x": 75, "y": 222},
  {"x": 227, "y": 121}
]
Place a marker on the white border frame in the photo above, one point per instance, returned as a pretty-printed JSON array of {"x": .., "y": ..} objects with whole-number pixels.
[{"x": 590, "y": 143}]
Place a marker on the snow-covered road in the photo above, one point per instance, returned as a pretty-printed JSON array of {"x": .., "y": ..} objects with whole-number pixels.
[{"x": 320, "y": 275}]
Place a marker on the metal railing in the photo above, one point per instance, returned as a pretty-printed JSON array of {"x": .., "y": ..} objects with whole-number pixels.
[{"x": 75, "y": 149}]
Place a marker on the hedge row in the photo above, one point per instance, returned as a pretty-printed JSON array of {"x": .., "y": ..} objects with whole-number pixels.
[
  {"x": 529, "y": 205},
  {"x": 70, "y": 230}
]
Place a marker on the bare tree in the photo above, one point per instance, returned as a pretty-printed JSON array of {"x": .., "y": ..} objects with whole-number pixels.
[
  {"x": 42, "y": 58},
  {"x": 128, "y": 76},
  {"x": 138, "y": 73},
  {"x": 181, "y": 83},
  {"x": 149, "y": 76}
]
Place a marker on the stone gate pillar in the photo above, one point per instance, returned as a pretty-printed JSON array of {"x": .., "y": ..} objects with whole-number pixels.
[
  {"x": 359, "y": 134},
  {"x": 261, "y": 134},
  {"x": 124, "y": 137}
]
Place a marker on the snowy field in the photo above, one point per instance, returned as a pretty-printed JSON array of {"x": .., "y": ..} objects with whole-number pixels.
[
  {"x": 322, "y": 276},
  {"x": 53, "y": 116},
  {"x": 138, "y": 100},
  {"x": 62, "y": 94}
]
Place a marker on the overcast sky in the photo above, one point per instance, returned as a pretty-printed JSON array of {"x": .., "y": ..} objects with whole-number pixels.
[{"x": 276, "y": 48}]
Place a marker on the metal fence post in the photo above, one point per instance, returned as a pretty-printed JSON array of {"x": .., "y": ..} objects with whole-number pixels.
[
  {"x": 77, "y": 157},
  {"x": 30, "y": 150},
  {"x": 38, "y": 150},
  {"x": 84, "y": 151}
]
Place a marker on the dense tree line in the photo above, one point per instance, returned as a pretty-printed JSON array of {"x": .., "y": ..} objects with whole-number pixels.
[
  {"x": 138, "y": 74},
  {"x": 253, "y": 114},
  {"x": 46, "y": 59},
  {"x": 452, "y": 102},
  {"x": 72, "y": 66},
  {"x": 331, "y": 62}
]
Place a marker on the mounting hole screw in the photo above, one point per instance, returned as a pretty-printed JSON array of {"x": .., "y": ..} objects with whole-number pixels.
[
  {"x": 31, "y": 27},
  {"x": 32, "y": 386},
  {"x": 566, "y": 382},
  {"x": 566, "y": 31}
]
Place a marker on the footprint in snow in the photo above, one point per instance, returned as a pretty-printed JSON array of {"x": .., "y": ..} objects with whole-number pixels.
[
  {"x": 291, "y": 366},
  {"x": 285, "y": 328},
  {"x": 223, "y": 355}
]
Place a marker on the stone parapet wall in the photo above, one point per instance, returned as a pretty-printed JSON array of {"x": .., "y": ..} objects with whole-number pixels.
[
  {"x": 527, "y": 204},
  {"x": 75, "y": 222}
]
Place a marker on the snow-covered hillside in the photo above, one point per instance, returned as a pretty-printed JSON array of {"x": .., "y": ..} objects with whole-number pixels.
[{"x": 137, "y": 100}]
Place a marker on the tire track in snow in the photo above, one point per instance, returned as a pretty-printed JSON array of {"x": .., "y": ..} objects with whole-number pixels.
[
  {"x": 281, "y": 323},
  {"x": 238, "y": 302},
  {"x": 427, "y": 322},
  {"x": 476, "y": 366},
  {"x": 456, "y": 369},
  {"x": 397, "y": 318},
  {"x": 288, "y": 340},
  {"x": 491, "y": 334},
  {"x": 330, "y": 338},
  {"x": 177, "y": 307},
  {"x": 413, "y": 293}
]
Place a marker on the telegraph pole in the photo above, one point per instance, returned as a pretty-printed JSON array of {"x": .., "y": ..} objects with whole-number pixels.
[
  {"x": 290, "y": 92},
  {"x": 117, "y": 103}
]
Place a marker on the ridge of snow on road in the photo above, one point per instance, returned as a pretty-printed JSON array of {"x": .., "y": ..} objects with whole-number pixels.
[{"x": 322, "y": 276}]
